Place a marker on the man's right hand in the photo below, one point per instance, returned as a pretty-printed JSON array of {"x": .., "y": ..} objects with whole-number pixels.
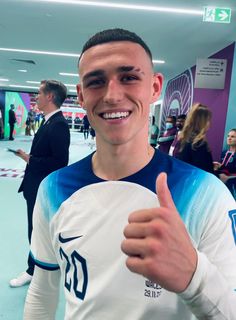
[
  {"x": 158, "y": 245},
  {"x": 25, "y": 156}
]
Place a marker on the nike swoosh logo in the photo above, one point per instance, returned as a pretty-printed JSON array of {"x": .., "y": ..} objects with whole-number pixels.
[{"x": 64, "y": 240}]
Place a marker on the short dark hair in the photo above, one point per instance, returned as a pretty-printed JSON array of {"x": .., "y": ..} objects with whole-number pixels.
[
  {"x": 115, "y": 34},
  {"x": 173, "y": 118},
  {"x": 58, "y": 89},
  {"x": 182, "y": 117}
]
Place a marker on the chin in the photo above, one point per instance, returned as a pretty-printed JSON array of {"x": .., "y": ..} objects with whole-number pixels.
[{"x": 117, "y": 141}]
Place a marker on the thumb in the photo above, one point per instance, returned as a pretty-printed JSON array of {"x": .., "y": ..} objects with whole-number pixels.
[{"x": 163, "y": 192}]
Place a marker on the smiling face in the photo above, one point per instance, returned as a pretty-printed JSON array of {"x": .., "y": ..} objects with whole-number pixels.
[{"x": 117, "y": 86}]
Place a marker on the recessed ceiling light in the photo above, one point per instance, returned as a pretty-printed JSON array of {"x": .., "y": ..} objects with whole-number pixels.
[
  {"x": 158, "y": 61},
  {"x": 22, "y": 70},
  {"x": 35, "y": 82},
  {"x": 128, "y": 6},
  {"x": 52, "y": 53},
  {"x": 70, "y": 85},
  {"x": 62, "y": 54},
  {"x": 71, "y": 90},
  {"x": 4, "y": 79},
  {"x": 19, "y": 86},
  {"x": 68, "y": 74}
]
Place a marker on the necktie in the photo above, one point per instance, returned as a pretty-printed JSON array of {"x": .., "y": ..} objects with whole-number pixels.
[{"x": 42, "y": 122}]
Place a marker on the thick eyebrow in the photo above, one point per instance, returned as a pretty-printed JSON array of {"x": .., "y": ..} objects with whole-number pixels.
[
  {"x": 100, "y": 72},
  {"x": 129, "y": 68},
  {"x": 94, "y": 73}
]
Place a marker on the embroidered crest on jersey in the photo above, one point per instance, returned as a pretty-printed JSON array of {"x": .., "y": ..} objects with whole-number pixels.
[{"x": 232, "y": 215}]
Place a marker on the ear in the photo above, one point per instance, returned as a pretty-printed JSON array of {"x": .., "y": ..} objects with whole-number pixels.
[
  {"x": 80, "y": 96},
  {"x": 50, "y": 96},
  {"x": 157, "y": 86}
]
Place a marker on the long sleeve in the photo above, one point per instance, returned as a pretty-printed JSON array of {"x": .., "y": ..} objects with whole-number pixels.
[
  {"x": 58, "y": 154},
  {"x": 42, "y": 296},
  {"x": 209, "y": 296}
]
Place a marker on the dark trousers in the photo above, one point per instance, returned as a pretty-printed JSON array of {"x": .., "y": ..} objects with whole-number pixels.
[
  {"x": 30, "y": 207},
  {"x": 86, "y": 133},
  {"x": 11, "y": 130}
]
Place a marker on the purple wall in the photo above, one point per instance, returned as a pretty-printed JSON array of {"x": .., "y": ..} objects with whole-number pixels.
[
  {"x": 26, "y": 99},
  {"x": 217, "y": 101}
]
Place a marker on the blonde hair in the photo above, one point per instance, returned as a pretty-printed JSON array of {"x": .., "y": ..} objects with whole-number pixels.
[{"x": 196, "y": 126}]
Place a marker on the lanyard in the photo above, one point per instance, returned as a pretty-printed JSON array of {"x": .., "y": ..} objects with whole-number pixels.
[{"x": 229, "y": 158}]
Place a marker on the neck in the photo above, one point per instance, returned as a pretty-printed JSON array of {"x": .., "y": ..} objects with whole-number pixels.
[
  {"x": 232, "y": 148},
  {"x": 117, "y": 162},
  {"x": 49, "y": 108}
]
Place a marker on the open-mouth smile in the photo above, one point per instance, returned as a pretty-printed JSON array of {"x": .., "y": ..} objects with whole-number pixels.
[{"x": 115, "y": 115}]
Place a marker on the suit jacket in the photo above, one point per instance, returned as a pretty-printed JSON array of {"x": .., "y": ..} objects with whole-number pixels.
[
  {"x": 12, "y": 117},
  {"x": 49, "y": 152}
]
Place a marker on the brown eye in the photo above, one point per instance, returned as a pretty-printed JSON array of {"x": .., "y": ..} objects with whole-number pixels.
[{"x": 129, "y": 78}]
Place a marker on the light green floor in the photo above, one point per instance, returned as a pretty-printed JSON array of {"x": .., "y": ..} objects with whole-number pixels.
[
  {"x": 13, "y": 248},
  {"x": 13, "y": 227}
]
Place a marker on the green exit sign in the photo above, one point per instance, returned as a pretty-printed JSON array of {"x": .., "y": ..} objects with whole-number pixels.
[{"x": 219, "y": 15}]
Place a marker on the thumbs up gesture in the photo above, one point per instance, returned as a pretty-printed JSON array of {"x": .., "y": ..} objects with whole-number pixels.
[{"x": 158, "y": 245}]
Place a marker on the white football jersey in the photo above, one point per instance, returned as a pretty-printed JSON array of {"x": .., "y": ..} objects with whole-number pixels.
[{"x": 78, "y": 227}]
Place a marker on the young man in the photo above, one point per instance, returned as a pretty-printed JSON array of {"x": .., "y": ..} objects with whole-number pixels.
[
  {"x": 49, "y": 152},
  {"x": 179, "y": 236}
]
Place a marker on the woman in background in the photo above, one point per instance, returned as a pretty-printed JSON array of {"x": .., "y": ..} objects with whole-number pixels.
[
  {"x": 226, "y": 170},
  {"x": 153, "y": 134},
  {"x": 194, "y": 148}
]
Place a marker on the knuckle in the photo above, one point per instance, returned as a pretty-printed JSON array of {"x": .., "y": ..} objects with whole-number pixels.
[
  {"x": 153, "y": 246},
  {"x": 156, "y": 228}
]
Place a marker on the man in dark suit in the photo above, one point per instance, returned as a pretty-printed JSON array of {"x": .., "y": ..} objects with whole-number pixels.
[
  {"x": 11, "y": 121},
  {"x": 49, "y": 152}
]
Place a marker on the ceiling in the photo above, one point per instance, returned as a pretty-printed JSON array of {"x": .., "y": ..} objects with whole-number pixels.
[{"x": 42, "y": 25}]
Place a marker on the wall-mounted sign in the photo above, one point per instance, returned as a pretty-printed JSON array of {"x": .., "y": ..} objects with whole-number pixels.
[
  {"x": 219, "y": 15},
  {"x": 210, "y": 73}
]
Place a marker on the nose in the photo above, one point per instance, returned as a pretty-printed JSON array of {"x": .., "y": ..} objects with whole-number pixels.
[{"x": 114, "y": 92}]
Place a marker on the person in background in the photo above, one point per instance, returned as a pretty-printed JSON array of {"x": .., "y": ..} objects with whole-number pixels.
[
  {"x": 31, "y": 120},
  {"x": 226, "y": 170},
  {"x": 168, "y": 136},
  {"x": 153, "y": 134},
  {"x": 194, "y": 148},
  {"x": 37, "y": 120},
  {"x": 174, "y": 148},
  {"x": 11, "y": 121},
  {"x": 171, "y": 220},
  {"x": 92, "y": 133},
  {"x": 49, "y": 152},
  {"x": 27, "y": 127},
  {"x": 1, "y": 125},
  {"x": 86, "y": 127}
]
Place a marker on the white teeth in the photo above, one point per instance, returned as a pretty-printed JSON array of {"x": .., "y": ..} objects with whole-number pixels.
[{"x": 115, "y": 115}]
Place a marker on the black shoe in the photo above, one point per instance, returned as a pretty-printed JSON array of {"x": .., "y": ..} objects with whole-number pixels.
[{"x": 11, "y": 138}]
